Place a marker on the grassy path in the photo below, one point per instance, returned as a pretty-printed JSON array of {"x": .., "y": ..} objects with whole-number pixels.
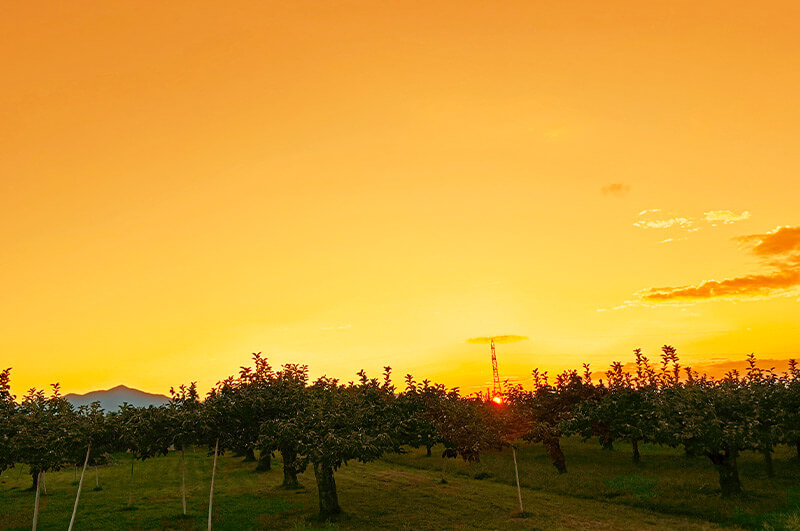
[{"x": 666, "y": 482}]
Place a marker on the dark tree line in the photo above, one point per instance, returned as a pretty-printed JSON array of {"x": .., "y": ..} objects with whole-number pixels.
[
  {"x": 672, "y": 406},
  {"x": 326, "y": 423}
]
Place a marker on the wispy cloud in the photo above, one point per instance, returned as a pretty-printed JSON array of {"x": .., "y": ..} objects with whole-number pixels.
[
  {"x": 655, "y": 218},
  {"x": 684, "y": 223},
  {"x": 779, "y": 250},
  {"x": 725, "y": 216},
  {"x": 750, "y": 286},
  {"x": 648, "y": 211},
  {"x": 616, "y": 189}
]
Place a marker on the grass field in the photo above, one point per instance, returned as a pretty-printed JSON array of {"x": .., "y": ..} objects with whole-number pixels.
[{"x": 602, "y": 490}]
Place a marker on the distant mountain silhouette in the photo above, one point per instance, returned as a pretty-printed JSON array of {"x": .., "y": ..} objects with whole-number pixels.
[{"x": 111, "y": 399}]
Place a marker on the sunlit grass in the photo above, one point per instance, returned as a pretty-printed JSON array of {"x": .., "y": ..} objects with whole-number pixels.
[
  {"x": 601, "y": 490},
  {"x": 666, "y": 481}
]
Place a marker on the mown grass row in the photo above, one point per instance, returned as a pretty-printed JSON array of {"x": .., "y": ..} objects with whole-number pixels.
[{"x": 666, "y": 481}]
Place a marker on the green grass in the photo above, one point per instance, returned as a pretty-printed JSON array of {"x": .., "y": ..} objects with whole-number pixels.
[
  {"x": 666, "y": 481},
  {"x": 602, "y": 490}
]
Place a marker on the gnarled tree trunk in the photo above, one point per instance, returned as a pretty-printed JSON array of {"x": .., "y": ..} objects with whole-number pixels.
[
  {"x": 636, "y": 457},
  {"x": 767, "y": 453},
  {"x": 553, "y": 447},
  {"x": 250, "y": 455},
  {"x": 729, "y": 483},
  {"x": 604, "y": 435},
  {"x": 264, "y": 461},
  {"x": 428, "y": 450},
  {"x": 326, "y": 485},
  {"x": 289, "y": 470}
]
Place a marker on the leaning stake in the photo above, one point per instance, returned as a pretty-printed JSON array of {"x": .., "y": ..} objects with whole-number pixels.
[
  {"x": 516, "y": 473},
  {"x": 213, "y": 473},
  {"x": 36, "y": 503},
  {"x": 80, "y": 484},
  {"x": 130, "y": 492},
  {"x": 183, "y": 480}
]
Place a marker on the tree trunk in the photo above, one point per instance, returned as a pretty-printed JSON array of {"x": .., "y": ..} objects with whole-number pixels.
[
  {"x": 264, "y": 461},
  {"x": 607, "y": 441},
  {"x": 213, "y": 475},
  {"x": 636, "y": 457},
  {"x": 96, "y": 478},
  {"x": 326, "y": 485},
  {"x": 516, "y": 474},
  {"x": 767, "y": 452},
  {"x": 34, "y": 479},
  {"x": 250, "y": 455},
  {"x": 80, "y": 486},
  {"x": 183, "y": 479},
  {"x": 36, "y": 503},
  {"x": 728, "y": 473},
  {"x": 427, "y": 451},
  {"x": 553, "y": 447},
  {"x": 130, "y": 492},
  {"x": 289, "y": 470}
]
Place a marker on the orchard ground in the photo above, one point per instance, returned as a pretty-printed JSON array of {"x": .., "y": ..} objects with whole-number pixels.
[{"x": 602, "y": 490}]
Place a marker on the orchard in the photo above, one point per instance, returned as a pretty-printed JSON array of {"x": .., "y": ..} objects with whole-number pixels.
[{"x": 324, "y": 424}]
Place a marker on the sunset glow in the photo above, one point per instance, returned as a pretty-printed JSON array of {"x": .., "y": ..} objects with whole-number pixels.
[{"x": 360, "y": 184}]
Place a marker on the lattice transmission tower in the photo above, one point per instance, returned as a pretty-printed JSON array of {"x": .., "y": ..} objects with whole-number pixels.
[{"x": 497, "y": 391}]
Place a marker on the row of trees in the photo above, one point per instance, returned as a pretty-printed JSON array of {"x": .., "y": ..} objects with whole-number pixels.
[
  {"x": 667, "y": 405},
  {"x": 326, "y": 423}
]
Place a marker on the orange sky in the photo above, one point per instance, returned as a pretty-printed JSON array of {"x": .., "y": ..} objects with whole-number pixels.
[{"x": 355, "y": 184}]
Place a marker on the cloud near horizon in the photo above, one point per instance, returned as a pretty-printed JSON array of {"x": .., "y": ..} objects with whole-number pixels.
[{"x": 780, "y": 249}]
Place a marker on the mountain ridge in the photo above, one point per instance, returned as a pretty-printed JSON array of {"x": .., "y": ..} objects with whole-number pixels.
[{"x": 111, "y": 399}]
